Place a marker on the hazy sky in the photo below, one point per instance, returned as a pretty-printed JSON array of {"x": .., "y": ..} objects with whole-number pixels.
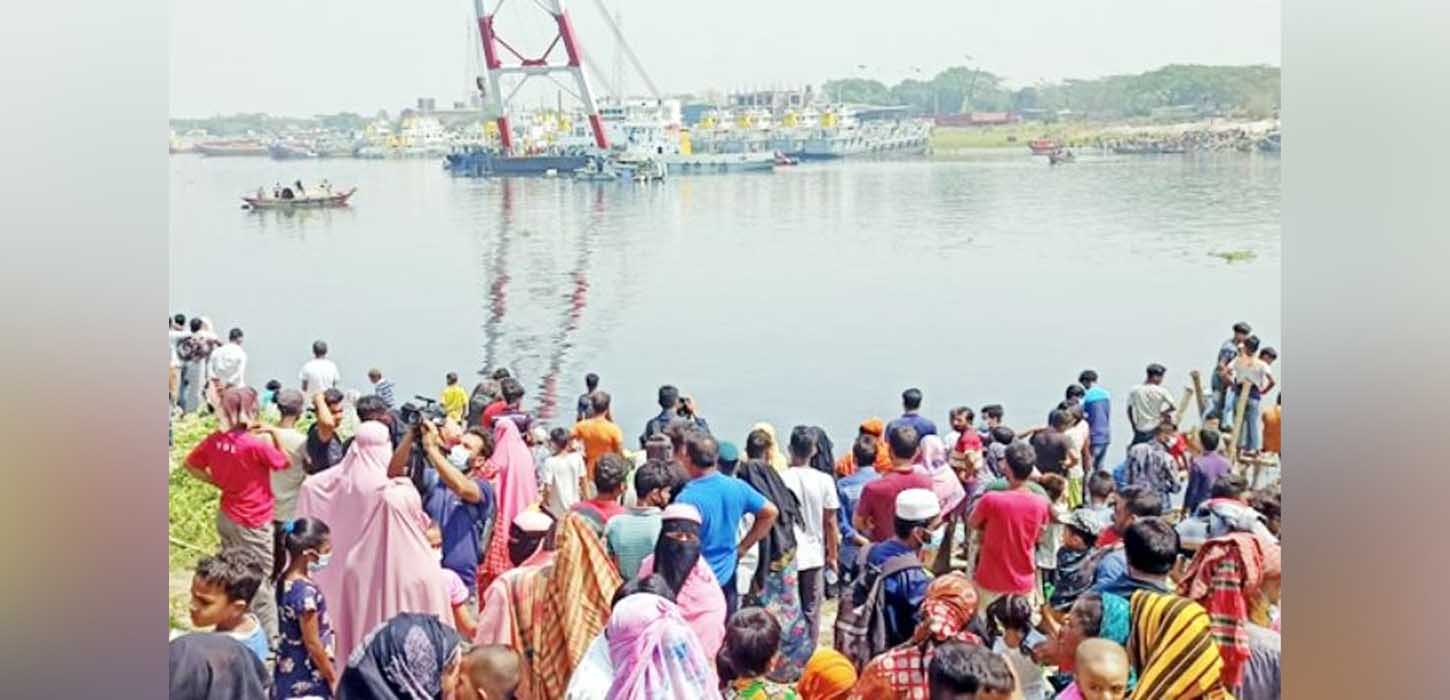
[{"x": 302, "y": 57}]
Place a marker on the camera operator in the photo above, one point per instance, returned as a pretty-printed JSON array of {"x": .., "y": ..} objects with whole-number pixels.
[
  {"x": 456, "y": 496},
  {"x": 673, "y": 407}
]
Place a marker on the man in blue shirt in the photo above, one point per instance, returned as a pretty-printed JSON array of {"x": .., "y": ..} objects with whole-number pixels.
[
  {"x": 911, "y": 403},
  {"x": 458, "y": 501},
  {"x": 1096, "y": 407},
  {"x": 1133, "y": 504},
  {"x": 722, "y": 502},
  {"x": 1150, "y": 546},
  {"x": 848, "y": 489},
  {"x": 903, "y": 591}
]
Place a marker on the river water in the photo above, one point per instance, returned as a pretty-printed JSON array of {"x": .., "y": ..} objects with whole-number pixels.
[{"x": 811, "y": 295}]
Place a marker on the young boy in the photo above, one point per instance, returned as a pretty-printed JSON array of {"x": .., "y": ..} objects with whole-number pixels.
[
  {"x": 1074, "y": 560},
  {"x": 488, "y": 672},
  {"x": 1100, "y": 488},
  {"x": 562, "y": 477},
  {"x": 631, "y": 535},
  {"x": 220, "y": 591},
  {"x": 453, "y": 399},
  {"x": 1100, "y": 672}
]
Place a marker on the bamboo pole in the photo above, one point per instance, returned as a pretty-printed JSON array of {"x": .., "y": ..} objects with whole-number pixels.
[
  {"x": 1198, "y": 393},
  {"x": 1183, "y": 409}
]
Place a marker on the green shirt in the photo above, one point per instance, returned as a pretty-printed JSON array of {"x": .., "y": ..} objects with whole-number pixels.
[
  {"x": 1000, "y": 484},
  {"x": 630, "y": 537}
]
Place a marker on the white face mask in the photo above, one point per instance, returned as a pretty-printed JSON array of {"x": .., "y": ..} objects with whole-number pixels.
[
  {"x": 937, "y": 537},
  {"x": 322, "y": 559},
  {"x": 459, "y": 456}
]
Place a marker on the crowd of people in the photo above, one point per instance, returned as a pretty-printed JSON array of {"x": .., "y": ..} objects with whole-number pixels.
[{"x": 391, "y": 551}]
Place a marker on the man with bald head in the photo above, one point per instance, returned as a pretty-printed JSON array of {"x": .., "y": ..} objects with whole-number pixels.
[
  {"x": 488, "y": 672},
  {"x": 1100, "y": 673}
]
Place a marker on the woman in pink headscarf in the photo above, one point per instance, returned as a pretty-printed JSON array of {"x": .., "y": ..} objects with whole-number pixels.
[
  {"x": 344, "y": 496},
  {"x": 512, "y": 474},
  {"x": 935, "y": 462},
  {"x": 655, "y": 654},
  {"x": 392, "y": 569}
]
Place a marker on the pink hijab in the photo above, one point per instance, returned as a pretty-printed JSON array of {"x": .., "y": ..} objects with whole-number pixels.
[
  {"x": 701, "y": 602},
  {"x": 343, "y": 497},
  {"x": 655, "y": 654},
  {"x": 512, "y": 466},
  {"x": 392, "y": 569},
  {"x": 935, "y": 462}
]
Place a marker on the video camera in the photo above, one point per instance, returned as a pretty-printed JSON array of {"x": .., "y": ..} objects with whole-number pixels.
[{"x": 422, "y": 409}]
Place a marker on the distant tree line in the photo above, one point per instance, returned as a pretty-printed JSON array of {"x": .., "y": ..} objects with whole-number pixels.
[
  {"x": 238, "y": 124},
  {"x": 1248, "y": 90}
]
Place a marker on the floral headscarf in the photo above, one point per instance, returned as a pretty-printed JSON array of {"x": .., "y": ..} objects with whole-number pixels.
[{"x": 402, "y": 659}]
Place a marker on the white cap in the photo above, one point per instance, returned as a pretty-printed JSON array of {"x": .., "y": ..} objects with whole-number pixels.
[
  {"x": 533, "y": 521},
  {"x": 917, "y": 504}
]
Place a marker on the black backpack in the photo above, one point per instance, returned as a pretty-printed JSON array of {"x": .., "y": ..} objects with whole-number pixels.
[{"x": 861, "y": 623}]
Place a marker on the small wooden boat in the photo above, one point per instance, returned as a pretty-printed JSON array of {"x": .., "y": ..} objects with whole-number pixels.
[
  {"x": 1042, "y": 147},
  {"x": 1060, "y": 157},
  {"x": 325, "y": 199}
]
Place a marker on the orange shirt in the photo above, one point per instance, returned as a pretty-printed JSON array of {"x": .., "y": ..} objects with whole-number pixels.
[
  {"x": 1271, "y": 429},
  {"x": 599, "y": 436}
]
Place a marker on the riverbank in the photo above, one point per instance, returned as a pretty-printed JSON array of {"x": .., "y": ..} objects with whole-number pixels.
[{"x": 951, "y": 138}]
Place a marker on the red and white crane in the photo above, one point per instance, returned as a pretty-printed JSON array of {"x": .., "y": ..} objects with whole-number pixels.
[{"x": 501, "y": 59}]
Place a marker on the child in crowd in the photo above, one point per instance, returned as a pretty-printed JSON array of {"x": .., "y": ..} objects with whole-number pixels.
[
  {"x": 1074, "y": 558},
  {"x": 563, "y": 475},
  {"x": 751, "y": 648},
  {"x": 305, "y": 648},
  {"x": 1046, "y": 551},
  {"x": 995, "y": 455},
  {"x": 454, "y": 399},
  {"x": 221, "y": 589},
  {"x": 268, "y": 400},
  {"x": 460, "y": 600},
  {"x": 1100, "y": 672},
  {"x": 1100, "y": 487},
  {"x": 1009, "y": 621}
]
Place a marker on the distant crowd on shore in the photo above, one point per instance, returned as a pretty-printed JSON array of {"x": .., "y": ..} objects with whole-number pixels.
[{"x": 460, "y": 548}]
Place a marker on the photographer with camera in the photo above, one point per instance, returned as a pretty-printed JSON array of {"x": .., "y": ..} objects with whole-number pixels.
[
  {"x": 673, "y": 407},
  {"x": 455, "y": 493}
]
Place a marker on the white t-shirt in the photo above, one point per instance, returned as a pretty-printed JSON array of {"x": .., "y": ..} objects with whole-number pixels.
[
  {"x": 1148, "y": 402},
  {"x": 745, "y": 566},
  {"x": 1029, "y": 674},
  {"x": 561, "y": 473},
  {"x": 229, "y": 365},
  {"x": 288, "y": 482},
  {"x": 1251, "y": 370},
  {"x": 319, "y": 374},
  {"x": 816, "y": 492}
]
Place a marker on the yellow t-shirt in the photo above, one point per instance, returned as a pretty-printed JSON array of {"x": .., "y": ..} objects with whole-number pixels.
[{"x": 454, "y": 401}]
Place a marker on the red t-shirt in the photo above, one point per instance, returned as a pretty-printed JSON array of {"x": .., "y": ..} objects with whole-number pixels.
[
  {"x": 878, "y": 501},
  {"x": 606, "y": 509},
  {"x": 491, "y": 412},
  {"x": 970, "y": 441},
  {"x": 1109, "y": 538},
  {"x": 1013, "y": 520},
  {"x": 241, "y": 464}
]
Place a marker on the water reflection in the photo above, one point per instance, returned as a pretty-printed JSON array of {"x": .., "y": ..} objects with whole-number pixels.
[{"x": 812, "y": 295}]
